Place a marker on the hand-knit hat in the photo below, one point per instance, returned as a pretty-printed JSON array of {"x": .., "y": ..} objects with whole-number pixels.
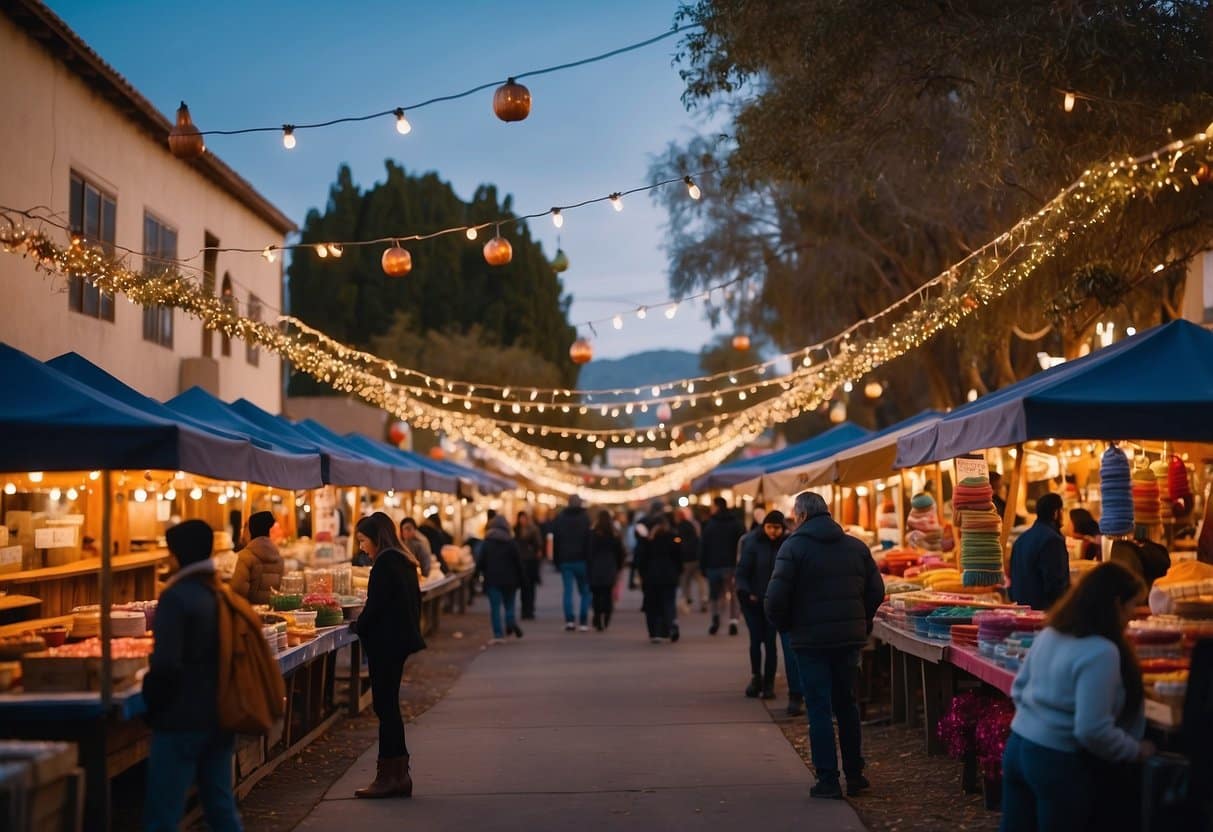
[
  {"x": 773, "y": 518},
  {"x": 191, "y": 541}
]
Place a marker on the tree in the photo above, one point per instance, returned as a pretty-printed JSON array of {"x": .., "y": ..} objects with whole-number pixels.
[
  {"x": 450, "y": 293},
  {"x": 873, "y": 144}
]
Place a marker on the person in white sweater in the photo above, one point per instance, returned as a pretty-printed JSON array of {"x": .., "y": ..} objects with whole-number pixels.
[{"x": 1079, "y": 716}]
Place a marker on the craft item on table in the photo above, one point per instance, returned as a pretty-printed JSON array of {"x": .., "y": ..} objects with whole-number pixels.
[
  {"x": 1145, "y": 498},
  {"x": 1115, "y": 486},
  {"x": 1159, "y": 468},
  {"x": 980, "y": 529},
  {"x": 1178, "y": 488},
  {"x": 923, "y": 521}
]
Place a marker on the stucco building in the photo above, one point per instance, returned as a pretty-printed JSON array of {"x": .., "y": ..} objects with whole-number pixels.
[{"x": 78, "y": 140}]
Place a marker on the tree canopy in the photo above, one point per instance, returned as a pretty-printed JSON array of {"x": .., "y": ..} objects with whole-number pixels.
[
  {"x": 453, "y": 314},
  {"x": 873, "y": 144}
]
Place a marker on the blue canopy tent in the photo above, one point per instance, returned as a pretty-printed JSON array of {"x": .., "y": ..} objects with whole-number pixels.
[
  {"x": 267, "y": 466},
  {"x": 406, "y": 475},
  {"x": 52, "y": 422},
  {"x": 336, "y": 468},
  {"x": 744, "y": 470},
  {"x": 1155, "y": 385},
  {"x": 432, "y": 479},
  {"x": 371, "y": 473}
]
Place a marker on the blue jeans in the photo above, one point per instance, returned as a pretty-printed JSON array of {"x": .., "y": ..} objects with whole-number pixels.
[
  {"x": 176, "y": 761},
  {"x": 576, "y": 573},
  {"x": 499, "y": 598},
  {"x": 1044, "y": 790},
  {"x": 827, "y": 678},
  {"x": 790, "y": 669}
]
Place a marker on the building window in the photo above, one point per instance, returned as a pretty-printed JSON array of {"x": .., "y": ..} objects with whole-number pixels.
[
  {"x": 252, "y": 352},
  {"x": 94, "y": 219},
  {"x": 210, "y": 260},
  {"x": 225, "y": 340},
  {"x": 159, "y": 254}
]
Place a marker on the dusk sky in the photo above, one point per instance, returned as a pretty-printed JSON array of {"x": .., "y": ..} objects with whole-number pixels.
[{"x": 593, "y": 130}]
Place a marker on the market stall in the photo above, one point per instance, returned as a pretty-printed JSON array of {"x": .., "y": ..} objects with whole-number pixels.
[{"x": 750, "y": 469}]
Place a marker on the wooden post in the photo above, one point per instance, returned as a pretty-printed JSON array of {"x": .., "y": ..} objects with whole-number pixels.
[
  {"x": 1008, "y": 514},
  {"x": 106, "y": 579}
]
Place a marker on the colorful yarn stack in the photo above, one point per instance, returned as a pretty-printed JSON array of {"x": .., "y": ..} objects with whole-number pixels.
[
  {"x": 980, "y": 526},
  {"x": 1178, "y": 487},
  {"x": 1116, "y": 493},
  {"x": 925, "y": 531},
  {"x": 1145, "y": 498},
  {"x": 1159, "y": 468}
]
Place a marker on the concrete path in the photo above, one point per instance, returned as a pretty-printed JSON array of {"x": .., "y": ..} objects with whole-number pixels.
[{"x": 592, "y": 731}]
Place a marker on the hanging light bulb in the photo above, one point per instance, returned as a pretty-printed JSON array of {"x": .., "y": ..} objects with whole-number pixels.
[
  {"x": 35, "y": 476},
  {"x": 617, "y": 201},
  {"x": 402, "y": 124},
  {"x": 94, "y": 475},
  {"x": 72, "y": 494},
  {"x": 848, "y": 387},
  {"x": 222, "y": 499},
  {"x": 322, "y": 250},
  {"x": 471, "y": 233},
  {"x": 1068, "y": 102},
  {"x": 972, "y": 396},
  {"x": 671, "y": 312},
  {"x": 170, "y": 495},
  {"x": 692, "y": 189},
  {"x": 655, "y": 391},
  {"x": 641, "y": 313},
  {"x": 195, "y": 493},
  {"x": 140, "y": 495},
  {"x": 873, "y": 389},
  {"x": 335, "y": 250},
  {"x": 617, "y": 322},
  {"x": 557, "y": 218},
  {"x": 288, "y": 136},
  {"x": 269, "y": 255},
  {"x": 55, "y": 495},
  {"x": 10, "y": 488}
]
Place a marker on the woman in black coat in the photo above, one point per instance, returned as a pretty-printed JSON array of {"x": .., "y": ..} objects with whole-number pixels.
[
  {"x": 659, "y": 562},
  {"x": 606, "y": 559},
  {"x": 390, "y": 631},
  {"x": 501, "y": 564},
  {"x": 758, "y": 551}
]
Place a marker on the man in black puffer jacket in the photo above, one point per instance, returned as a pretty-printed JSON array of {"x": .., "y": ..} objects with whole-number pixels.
[{"x": 824, "y": 593}]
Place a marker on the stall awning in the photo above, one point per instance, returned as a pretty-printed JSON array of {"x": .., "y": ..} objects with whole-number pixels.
[
  {"x": 406, "y": 475},
  {"x": 861, "y": 460},
  {"x": 336, "y": 469},
  {"x": 744, "y": 470},
  {"x": 1157, "y": 385},
  {"x": 51, "y": 422},
  {"x": 432, "y": 479},
  {"x": 267, "y": 466},
  {"x": 354, "y": 470}
]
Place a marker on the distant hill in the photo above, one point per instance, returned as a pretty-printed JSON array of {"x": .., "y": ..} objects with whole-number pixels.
[{"x": 652, "y": 367}]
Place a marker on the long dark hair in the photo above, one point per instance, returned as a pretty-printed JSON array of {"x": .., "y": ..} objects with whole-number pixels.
[
  {"x": 1090, "y": 608},
  {"x": 604, "y": 525},
  {"x": 381, "y": 531}
]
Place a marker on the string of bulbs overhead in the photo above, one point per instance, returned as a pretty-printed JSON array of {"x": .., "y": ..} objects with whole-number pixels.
[{"x": 958, "y": 293}]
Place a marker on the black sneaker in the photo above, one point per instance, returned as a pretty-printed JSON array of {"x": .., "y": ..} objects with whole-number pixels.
[
  {"x": 826, "y": 791},
  {"x": 795, "y": 705},
  {"x": 857, "y": 785},
  {"x": 674, "y": 634},
  {"x": 754, "y": 688},
  {"x": 732, "y": 628},
  {"x": 715, "y": 628},
  {"x": 517, "y": 631}
]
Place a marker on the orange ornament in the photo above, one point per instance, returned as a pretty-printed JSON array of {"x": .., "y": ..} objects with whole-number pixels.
[
  {"x": 512, "y": 101},
  {"x": 498, "y": 251},
  {"x": 581, "y": 351},
  {"x": 397, "y": 262},
  {"x": 741, "y": 343}
]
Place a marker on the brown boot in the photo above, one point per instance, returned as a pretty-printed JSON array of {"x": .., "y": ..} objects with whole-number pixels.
[
  {"x": 387, "y": 780},
  {"x": 404, "y": 779}
]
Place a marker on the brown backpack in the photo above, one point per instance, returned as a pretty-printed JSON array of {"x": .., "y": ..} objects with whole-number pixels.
[{"x": 252, "y": 695}]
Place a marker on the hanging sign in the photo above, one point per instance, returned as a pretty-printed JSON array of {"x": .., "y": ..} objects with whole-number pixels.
[{"x": 967, "y": 467}]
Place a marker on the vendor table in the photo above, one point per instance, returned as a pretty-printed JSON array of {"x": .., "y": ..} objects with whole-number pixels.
[
  {"x": 111, "y": 741},
  {"x": 918, "y": 664},
  {"x": 62, "y": 588},
  {"x": 18, "y": 608}
]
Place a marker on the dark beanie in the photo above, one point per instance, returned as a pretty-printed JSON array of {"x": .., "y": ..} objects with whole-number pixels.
[
  {"x": 190, "y": 541},
  {"x": 774, "y": 518},
  {"x": 259, "y": 524}
]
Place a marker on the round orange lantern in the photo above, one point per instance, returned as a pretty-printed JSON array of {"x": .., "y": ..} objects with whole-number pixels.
[
  {"x": 397, "y": 262},
  {"x": 741, "y": 343},
  {"x": 437, "y": 453},
  {"x": 581, "y": 351},
  {"x": 512, "y": 101},
  {"x": 498, "y": 251},
  {"x": 184, "y": 140}
]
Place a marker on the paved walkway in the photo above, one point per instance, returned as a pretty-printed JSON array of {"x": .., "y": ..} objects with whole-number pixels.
[{"x": 592, "y": 731}]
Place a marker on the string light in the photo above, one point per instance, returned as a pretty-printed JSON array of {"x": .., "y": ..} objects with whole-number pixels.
[
  {"x": 322, "y": 250},
  {"x": 288, "y": 137},
  {"x": 557, "y": 218},
  {"x": 671, "y": 311},
  {"x": 269, "y": 255},
  {"x": 402, "y": 124},
  {"x": 616, "y": 201},
  {"x": 617, "y": 322},
  {"x": 471, "y": 233},
  {"x": 982, "y": 277},
  {"x": 1067, "y": 102},
  {"x": 692, "y": 189},
  {"x": 642, "y": 313}
]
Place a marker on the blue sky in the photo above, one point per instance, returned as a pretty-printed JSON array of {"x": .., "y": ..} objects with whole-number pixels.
[{"x": 593, "y": 130}]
